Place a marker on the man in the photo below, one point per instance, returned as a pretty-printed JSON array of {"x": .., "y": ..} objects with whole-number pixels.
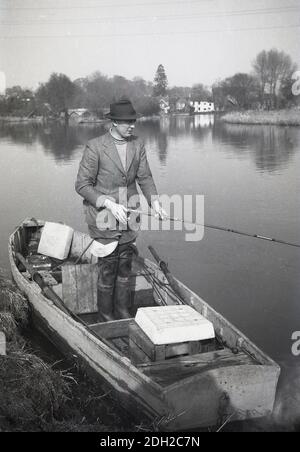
[{"x": 107, "y": 176}]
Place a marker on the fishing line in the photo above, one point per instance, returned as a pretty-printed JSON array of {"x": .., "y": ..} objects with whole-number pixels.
[{"x": 220, "y": 228}]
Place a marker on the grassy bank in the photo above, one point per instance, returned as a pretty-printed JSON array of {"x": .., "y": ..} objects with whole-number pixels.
[
  {"x": 39, "y": 389},
  {"x": 21, "y": 119},
  {"x": 279, "y": 117}
]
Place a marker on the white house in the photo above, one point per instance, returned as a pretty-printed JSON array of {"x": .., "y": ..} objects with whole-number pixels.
[
  {"x": 164, "y": 106},
  {"x": 203, "y": 107}
]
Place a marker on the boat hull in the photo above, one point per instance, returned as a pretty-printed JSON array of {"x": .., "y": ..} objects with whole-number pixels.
[{"x": 226, "y": 387}]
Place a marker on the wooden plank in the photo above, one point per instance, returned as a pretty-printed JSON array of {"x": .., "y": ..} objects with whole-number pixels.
[
  {"x": 166, "y": 351},
  {"x": 121, "y": 345},
  {"x": 79, "y": 243},
  {"x": 170, "y": 371},
  {"x": 80, "y": 287},
  {"x": 178, "y": 349},
  {"x": 17, "y": 243},
  {"x": 202, "y": 359},
  {"x": 110, "y": 330},
  {"x": 154, "y": 352},
  {"x": 136, "y": 354},
  {"x": 23, "y": 240}
]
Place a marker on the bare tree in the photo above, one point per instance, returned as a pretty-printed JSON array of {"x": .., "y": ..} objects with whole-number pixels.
[
  {"x": 260, "y": 66},
  {"x": 272, "y": 68}
]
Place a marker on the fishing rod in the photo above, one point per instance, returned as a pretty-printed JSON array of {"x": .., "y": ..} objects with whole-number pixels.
[{"x": 219, "y": 228}]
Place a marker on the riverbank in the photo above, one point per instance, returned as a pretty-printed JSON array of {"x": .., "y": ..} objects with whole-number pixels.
[
  {"x": 278, "y": 118},
  {"x": 21, "y": 119},
  {"x": 44, "y": 120},
  {"x": 39, "y": 389}
]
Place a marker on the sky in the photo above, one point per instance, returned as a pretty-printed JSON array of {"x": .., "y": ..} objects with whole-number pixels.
[{"x": 197, "y": 41}]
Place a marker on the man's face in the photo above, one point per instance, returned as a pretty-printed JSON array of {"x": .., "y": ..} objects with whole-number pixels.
[{"x": 125, "y": 128}]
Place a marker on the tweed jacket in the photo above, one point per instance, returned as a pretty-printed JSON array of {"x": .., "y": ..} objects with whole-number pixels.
[{"x": 101, "y": 175}]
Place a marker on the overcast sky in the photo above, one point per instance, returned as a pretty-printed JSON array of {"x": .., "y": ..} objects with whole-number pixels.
[{"x": 198, "y": 41}]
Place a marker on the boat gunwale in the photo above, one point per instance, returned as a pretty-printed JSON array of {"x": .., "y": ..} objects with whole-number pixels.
[
  {"x": 117, "y": 357},
  {"x": 264, "y": 360},
  {"x": 208, "y": 372}
]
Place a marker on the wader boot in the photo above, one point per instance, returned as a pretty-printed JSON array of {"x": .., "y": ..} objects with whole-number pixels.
[
  {"x": 122, "y": 298},
  {"x": 122, "y": 287},
  {"x": 105, "y": 300},
  {"x": 108, "y": 267}
]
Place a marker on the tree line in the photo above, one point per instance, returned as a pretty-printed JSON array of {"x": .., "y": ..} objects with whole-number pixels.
[{"x": 268, "y": 86}]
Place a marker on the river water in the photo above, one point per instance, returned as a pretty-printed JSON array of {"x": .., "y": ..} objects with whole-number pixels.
[{"x": 249, "y": 176}]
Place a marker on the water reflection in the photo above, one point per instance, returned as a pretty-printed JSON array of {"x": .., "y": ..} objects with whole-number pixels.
[
  {"x": 194, "y": 155},
  {"x": 271, "y": 147},
  {"x": 155, "y": 134},
  {"x": 56, "y": 139},
  {"x": 158, "y": 132}
]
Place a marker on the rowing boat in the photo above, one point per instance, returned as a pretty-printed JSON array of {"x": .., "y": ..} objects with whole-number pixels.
[{"x": 235, "y": 381}]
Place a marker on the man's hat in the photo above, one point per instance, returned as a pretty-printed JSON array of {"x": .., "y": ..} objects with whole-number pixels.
[{"x": 122, "y": 110}]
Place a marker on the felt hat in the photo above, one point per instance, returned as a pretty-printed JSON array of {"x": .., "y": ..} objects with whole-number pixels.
[{"x": 121, "y": 111}]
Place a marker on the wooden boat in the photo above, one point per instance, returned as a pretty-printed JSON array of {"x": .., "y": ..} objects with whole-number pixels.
[{"x": 236, "y": 381}]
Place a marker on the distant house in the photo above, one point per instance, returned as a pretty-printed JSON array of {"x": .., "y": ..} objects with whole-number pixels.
[
  {"x": 202, "y": 107},
  {"x": 164, "y": 105},
  {"x": 79, "y": 114},
  {"x": 181, "y": 105}
]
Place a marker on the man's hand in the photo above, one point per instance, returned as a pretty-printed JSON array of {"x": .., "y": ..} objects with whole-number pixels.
[
  {"x": 159, "y": 211},
  {"x": 118, "y": 211}
]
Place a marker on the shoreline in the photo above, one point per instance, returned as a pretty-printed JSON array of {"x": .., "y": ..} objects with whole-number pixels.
[
  {"x": 254, "y": 117},
  {"x": 289, "y": 117},
  {"x": 53, "y": 394}
]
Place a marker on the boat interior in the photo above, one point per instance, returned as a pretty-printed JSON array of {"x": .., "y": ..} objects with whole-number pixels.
[{"x": 76, "y": 284}]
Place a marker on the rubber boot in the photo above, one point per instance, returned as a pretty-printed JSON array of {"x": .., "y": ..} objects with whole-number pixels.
[
  {"x": 105, "y": 304},
  {"x": 106, "y": 282},
  {"x": 122, "y": 298}
]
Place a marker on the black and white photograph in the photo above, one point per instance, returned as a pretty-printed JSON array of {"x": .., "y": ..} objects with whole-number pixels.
[{"x": 150, "y": 218}]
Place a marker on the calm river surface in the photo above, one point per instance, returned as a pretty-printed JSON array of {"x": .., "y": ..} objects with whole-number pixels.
[{"x": 251, "y": 181}]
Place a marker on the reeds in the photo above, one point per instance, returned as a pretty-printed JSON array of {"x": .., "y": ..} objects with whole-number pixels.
[
  {"x": 278, "y": 117},
  {"x": 11, "y": 300},
  {"x": 30, "y": 390}
]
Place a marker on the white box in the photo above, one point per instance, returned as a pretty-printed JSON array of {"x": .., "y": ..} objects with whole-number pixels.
[
  {"x": 174, "y": 324},
  {"x": 56, "y": 240}
]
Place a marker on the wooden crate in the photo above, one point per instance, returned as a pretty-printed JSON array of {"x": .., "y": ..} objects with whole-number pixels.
[{"x": 142, "y": 350}]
